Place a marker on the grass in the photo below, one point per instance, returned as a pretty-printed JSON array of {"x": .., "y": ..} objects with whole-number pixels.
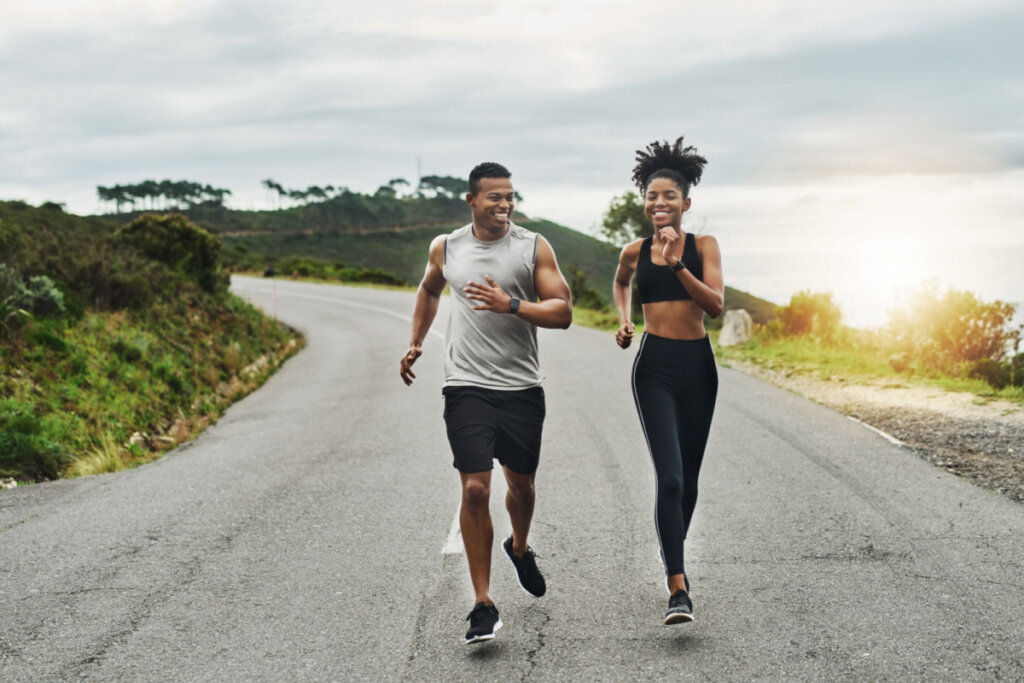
[
  {"x": 161, "y": 375},
  {"x": 851, "y": 359}
]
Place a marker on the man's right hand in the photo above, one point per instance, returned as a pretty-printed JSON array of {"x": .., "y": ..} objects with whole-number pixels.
[
  {"x": 625, "y": 335},
  {"x": 408, "y": 359}
]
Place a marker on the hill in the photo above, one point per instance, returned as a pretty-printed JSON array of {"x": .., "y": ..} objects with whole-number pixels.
[
  {"x": 116, "y": 343},
  {"x": 403, "y": 252},
  {"x": 391, "y": 233}
]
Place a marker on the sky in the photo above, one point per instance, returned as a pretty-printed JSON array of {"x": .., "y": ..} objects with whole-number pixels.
[{"x": 859, "y": 148}]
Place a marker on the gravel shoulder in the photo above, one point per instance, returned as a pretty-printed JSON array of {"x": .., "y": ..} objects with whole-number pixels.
[{"x": 979, "y": 439}]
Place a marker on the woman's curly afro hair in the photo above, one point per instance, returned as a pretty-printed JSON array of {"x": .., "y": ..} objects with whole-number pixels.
[{"x": 663, "y": 160}]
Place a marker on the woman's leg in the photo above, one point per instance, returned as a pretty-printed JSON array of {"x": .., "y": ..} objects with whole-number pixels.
[
  {"x": 695, "y": 406},
  {"x": 656, "y": 407}
]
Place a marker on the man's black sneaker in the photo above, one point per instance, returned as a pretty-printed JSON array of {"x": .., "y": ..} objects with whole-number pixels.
[
  {"x": 680, "y": 609},
  {"x": 526, "y": 569},
  {"x": 483, "y": 622}
]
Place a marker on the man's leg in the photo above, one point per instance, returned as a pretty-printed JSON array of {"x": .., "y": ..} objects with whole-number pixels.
[
  {"x": 477, "y": 531},
  {"x": 519, "y": 501}
]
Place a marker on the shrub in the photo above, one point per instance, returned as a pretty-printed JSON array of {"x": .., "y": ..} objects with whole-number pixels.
[
  {"x": 1017, "y": 370},
  {"x": 992, "y": 371},
  {"x": 378, "y": 276},
  {"x": 41, "y": 336},
  {"x": 41, "y": 296},
  {"x": 582, "y": 295},
  {"x": 26, "y": 451},
  {"x": 955, "y": 327},
  {"x": 179, "y": 243},
  {"x": 811, "y": 313}
]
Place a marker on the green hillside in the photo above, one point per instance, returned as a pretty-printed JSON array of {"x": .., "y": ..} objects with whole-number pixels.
[
  {"x": 391, "y": 233},
  {"x": 404, "y": 252},
  {"x": 117, "y": 343}
]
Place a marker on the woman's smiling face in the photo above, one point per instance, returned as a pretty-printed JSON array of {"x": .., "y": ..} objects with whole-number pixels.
[{"x": 664, "y": 203}]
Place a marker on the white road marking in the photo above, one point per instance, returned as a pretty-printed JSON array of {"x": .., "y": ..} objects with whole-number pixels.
[
  {"x": 453, "y": 544},
  {"x": 888, "y": 437}
]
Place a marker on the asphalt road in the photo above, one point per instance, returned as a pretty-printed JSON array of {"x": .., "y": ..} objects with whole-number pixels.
[{"x": 307, "y": 536}]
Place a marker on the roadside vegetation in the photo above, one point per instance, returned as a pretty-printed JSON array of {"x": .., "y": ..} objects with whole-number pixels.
[
  {"x": 951, "y": 339},
  {"x": 117, "y": 343}
]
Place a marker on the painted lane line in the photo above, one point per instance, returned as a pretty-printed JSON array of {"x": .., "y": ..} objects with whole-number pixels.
[
  {"x": 453, "y": 544},
  {"x": 888, "y": 437}
]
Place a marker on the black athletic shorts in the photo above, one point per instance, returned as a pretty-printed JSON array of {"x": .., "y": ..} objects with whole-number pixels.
[{"x": 484, "y": 424}]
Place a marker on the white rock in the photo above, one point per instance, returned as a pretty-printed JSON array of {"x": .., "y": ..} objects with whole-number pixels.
[{"x": 736, "y": 328}]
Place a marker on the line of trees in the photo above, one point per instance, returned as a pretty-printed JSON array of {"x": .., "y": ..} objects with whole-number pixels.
[
  {"x": 182, "y": 195},
  {"x": 429, "y": 186},
  {"x": 162, "y": 195}
]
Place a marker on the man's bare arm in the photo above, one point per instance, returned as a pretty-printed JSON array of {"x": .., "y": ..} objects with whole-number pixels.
[{"x": 428, "y": 297}]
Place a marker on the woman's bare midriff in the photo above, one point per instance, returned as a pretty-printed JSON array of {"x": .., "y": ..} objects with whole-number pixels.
[{"x": 674, "y": 319}]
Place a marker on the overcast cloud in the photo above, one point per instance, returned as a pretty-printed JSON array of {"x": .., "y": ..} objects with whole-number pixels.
[{"x": 828, "y": 126}]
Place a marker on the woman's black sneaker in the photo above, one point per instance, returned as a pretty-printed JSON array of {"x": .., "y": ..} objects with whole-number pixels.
[
  {"x": 483, "y": 622},
  {"x": 526, "y": 569},
  {"x": 680, "y": 609}
]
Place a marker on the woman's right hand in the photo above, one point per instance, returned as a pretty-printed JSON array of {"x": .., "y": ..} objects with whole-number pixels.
[{"x": 625, "y": 335}]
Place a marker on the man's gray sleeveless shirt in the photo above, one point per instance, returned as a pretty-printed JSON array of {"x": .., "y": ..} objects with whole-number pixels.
[{"x": 486, "y": 349}]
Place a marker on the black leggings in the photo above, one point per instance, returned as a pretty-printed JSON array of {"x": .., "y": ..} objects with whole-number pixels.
[{"x": 675, "y": 383}]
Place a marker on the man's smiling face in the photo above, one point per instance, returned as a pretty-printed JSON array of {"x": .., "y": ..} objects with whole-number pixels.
[{"x": 492, "y": 204}]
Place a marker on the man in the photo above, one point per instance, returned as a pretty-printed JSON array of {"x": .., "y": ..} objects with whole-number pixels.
[{"x": 505, "y": 283}]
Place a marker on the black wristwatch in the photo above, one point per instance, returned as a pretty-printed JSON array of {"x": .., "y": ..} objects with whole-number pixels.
[
  {"x": 513, "y": 305},
  {"x": 678, "y": 266}
]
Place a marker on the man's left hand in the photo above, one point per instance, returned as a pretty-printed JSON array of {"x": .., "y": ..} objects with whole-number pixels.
[{"x": 491, "y": 297}]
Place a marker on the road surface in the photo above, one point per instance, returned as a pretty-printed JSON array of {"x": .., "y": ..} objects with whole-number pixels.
[{"x": 308, "y": 536}]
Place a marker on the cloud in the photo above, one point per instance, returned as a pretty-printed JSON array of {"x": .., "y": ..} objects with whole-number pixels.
[{"x": 771, "y": 92}]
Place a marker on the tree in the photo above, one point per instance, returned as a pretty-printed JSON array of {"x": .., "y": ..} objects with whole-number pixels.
[
  {"x": 811, "y": 313},
  {"x": 582, "y": 295},
  {"x": 445, "y": 185},
  {"x": 625, "y": 220},
  {"x": 953, "y": 327}
]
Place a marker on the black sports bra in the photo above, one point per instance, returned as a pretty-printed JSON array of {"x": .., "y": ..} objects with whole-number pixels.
[{"x": 659, "y": 283}]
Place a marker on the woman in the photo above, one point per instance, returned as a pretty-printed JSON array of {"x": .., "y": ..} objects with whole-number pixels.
[{"x": 679, "y": 278}]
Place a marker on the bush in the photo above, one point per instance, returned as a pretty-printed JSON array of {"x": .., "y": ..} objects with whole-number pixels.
[
  {"x": 582, "y": 295},
  {"x": 952, "y": 328},
  {"x": 40, "y": 336},
  {"x": 41, "y": 296},
  {"x": 1017, "y": 370},
  {"x": 26, "y": 451},
  {"x": 811, "y": 313},
  {"x": 185, "y": 247},
  {"x": 375, "y": 276},
  {"x": 992, "y": 371}
]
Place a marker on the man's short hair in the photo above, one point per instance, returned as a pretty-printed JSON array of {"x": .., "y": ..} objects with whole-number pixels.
[{"x": 488, "y": 169}]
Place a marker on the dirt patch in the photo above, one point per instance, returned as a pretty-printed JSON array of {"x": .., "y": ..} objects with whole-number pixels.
[{"x": 979, "y": 439}]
